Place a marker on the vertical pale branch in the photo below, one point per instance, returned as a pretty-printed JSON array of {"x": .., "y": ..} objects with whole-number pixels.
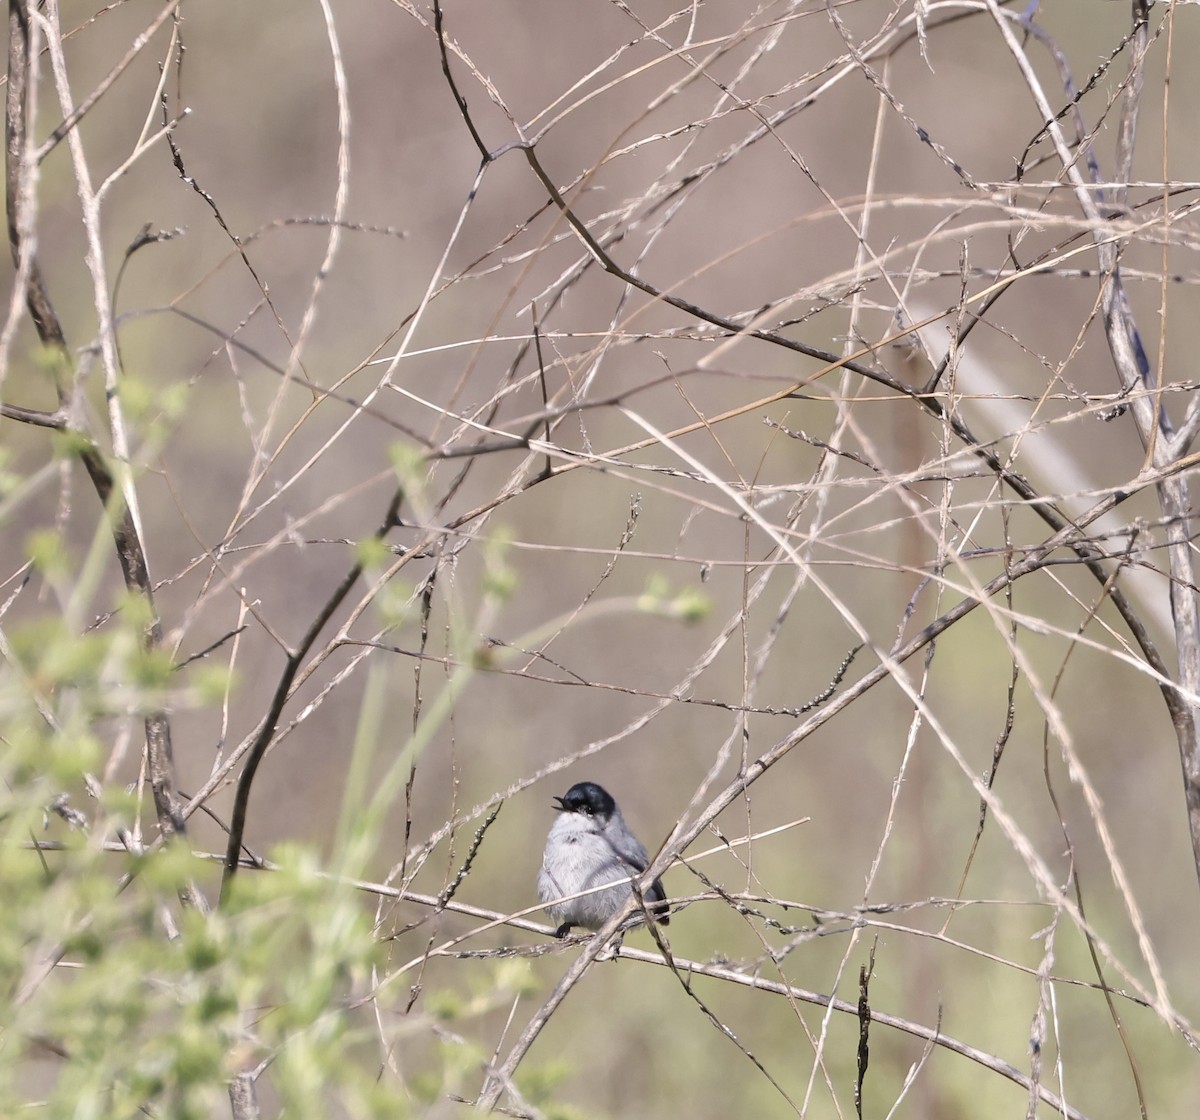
[
  {"x": 1164, "y": 445},
  {"x": 18, "y": 170},
  {"x": 128, "y": 542},
  {"x": 1174, "y": 492},
  {"x": 1174, "y": 495},
  {"x": 243, "y": 1099}
]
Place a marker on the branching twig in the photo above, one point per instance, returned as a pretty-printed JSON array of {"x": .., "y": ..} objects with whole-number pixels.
[
  {"x": 123, "y": 524},
  {"x": 266, "y": 732}
]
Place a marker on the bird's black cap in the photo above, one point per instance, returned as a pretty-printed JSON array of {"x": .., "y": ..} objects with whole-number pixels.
[{"x": 587, "y": 797}]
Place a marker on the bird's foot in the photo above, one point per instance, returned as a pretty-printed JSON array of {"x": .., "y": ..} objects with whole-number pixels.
[{"x": 612, "y": 950}]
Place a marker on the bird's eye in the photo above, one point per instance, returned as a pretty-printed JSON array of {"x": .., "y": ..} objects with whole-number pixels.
[{"x": 587, "y": 811}]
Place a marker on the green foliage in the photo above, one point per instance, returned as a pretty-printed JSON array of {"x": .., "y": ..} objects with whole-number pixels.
[
  {"x": 159, "y": 1022},
  {"x": 109, "y": 669},
  {"x": 88, "y": 967},
  {"x": 393, "y": 601},
  {"x": 211, "y": 682},
  {"x": 46, "y": 550},
  {"x": 393, "y": 604},
  {"x": 689, "y": 605},
  {"x": 499, "y": 580},
  {"x": 138, "y": 398},
  {"x": 408, "y": 462},
  {"x": 68, "y": 444},
  {"x": 373, "y": 552},
  {"x": 10, "y": 480}
]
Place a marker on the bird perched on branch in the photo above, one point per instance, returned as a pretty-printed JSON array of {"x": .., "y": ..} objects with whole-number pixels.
[{"x": 590, "y": 845}]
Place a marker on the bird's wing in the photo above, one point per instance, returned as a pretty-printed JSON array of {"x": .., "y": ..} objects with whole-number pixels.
[
  {"x": 632, "y": 853},
  {"x": 629, "y": 850}
]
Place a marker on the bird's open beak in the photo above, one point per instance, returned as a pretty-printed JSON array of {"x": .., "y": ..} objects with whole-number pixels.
[{"x": 561, "y": 807}]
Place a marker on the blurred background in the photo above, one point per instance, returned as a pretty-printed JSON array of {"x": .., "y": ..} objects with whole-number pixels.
[{"x": 324, "y": 292}]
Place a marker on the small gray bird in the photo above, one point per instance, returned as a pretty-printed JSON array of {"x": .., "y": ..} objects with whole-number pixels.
[{"x": 590, "y": 844}]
